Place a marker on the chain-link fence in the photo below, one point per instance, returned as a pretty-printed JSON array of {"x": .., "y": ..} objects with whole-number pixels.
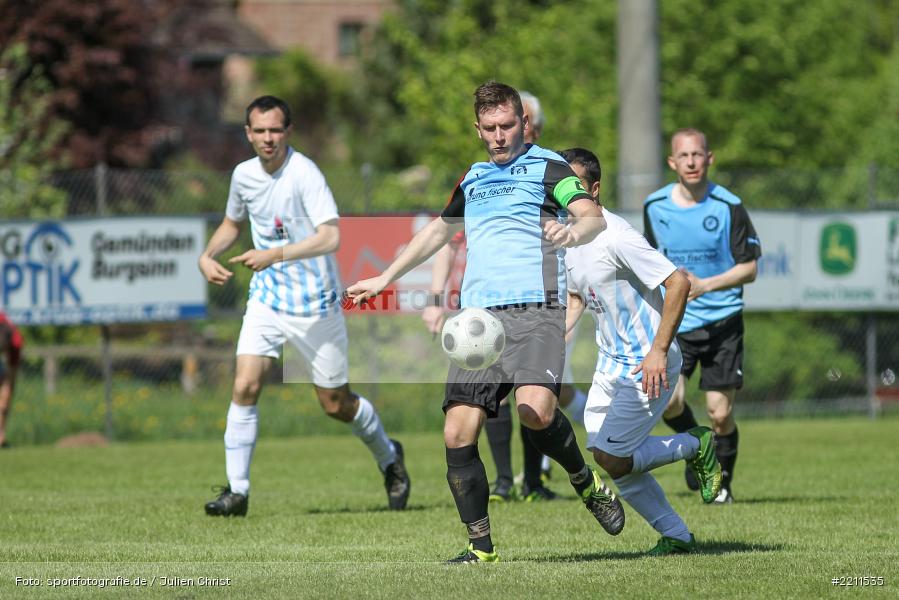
[
  {"x": 362, "y": 190},
  {"x": 173, "y": 379}
]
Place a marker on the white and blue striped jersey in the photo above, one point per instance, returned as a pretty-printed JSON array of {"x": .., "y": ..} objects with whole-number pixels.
[
  {"x": 284, "y": 208},
  {"x": 618, "y": 275}
]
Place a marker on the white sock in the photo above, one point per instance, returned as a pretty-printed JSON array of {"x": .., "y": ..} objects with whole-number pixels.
[
  {"x": 658, "y": 450},
  {"x": 368, "y": 428},
  {"x": 545, "y": 464},
  {"x": 240, "y": 441},
  {"x": 645, "y": 495},
  {"x": 575, "y": 408}
]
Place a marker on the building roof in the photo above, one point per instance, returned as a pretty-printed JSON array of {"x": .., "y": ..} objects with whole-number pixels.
[{"x": 209, "y": 33}]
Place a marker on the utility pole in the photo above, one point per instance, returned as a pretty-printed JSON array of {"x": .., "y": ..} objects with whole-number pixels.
[{"x": 639, "y": 105}]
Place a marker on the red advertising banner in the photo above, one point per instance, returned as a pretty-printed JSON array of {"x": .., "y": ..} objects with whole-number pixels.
[{"x": 369, "y": 244}]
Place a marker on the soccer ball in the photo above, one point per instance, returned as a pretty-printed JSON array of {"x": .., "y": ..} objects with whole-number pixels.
[{"x": 473, "y": 339}]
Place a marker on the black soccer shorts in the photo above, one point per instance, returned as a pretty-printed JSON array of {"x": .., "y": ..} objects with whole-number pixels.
[
  {"x": 534, "y": 355},
  {"x": 719, "y": 349}
]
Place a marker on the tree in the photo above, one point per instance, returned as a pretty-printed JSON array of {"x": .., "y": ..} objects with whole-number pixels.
[
  {"x": 775, "y": 83},
  {"x": 318, "y": 98},
  {"x": 103, "y": 71},
  {"x": 428, "y": 57},
  {"x": 28, "y": 135}
]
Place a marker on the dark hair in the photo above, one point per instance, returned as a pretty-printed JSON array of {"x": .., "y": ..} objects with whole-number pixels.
[
  {"x": 267, "y": 103},
  {"x": 588, "y": 160},
  {"x": 493, "y": 94}
]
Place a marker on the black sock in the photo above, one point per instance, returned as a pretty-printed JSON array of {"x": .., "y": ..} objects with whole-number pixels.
[
  {"x": 683, "y": 421},
  {"x": 559, "y": 443},
  {"x": 499, "y": 435},
  {"x": 467, "y": 481},
  {"x": 532, "y": 460},
  {"x": 726, "y": 451}
]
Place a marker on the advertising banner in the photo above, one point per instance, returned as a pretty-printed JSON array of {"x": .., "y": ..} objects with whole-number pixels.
[
  {"x": 102, "y": 270},
  {"x": 846, "y": 261},
  {"x": 834, "y": 261}
]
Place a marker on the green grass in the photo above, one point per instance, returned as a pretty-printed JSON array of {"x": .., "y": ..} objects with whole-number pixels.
[{"x": 816, "y": 500}]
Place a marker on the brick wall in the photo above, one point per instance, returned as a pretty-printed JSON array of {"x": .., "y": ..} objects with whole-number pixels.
[{"x": 313, "y": 25}]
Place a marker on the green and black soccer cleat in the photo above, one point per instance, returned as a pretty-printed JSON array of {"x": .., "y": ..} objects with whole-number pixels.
[
  {"x": 604, "y": 505},
  {"x": 470, "y": 556},
  {"x": 705, "y": 464},
  {"x": 503, "y": 491},
  {"x": 668, "y": 545},
  {"x": 541, "y": 493}
]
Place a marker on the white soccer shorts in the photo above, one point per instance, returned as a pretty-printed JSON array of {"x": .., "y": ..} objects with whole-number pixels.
[
  {"x": 619, "y": 416},
  {"x": 320, "y": 341}
]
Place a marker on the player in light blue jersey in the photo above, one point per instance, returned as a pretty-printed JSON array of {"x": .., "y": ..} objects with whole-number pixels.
[
  {"x": 293, "y": 298},
  {"x": 619, "y": 278},
  {"x": 536, "y": 467},
  {"x": 513, "y": 209},
  {"x": 705, "y": 230}
]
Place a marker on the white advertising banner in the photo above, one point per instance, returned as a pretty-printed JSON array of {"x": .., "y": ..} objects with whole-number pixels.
[
  {"x": 845, "y": 262},
  {"x": 102, "y": 270},
  {"x": 828, "y": 261},
  {"x": 775, "y": 287}
]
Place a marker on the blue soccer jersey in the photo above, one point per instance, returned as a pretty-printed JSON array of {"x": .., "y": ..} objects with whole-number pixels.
[
  {"x": 504, "y": 207},
  {"x": 707, "y": 239}
]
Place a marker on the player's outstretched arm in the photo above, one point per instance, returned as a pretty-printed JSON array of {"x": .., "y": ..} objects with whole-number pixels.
[
  {"x": 573, "y": 313},
  {"x": 425, "y": 243},
  {"x": 655, "y": 365},
  {"x": 738, "y": 274},
  {"x": 222, "y": 239},
  {"x": 325, "y": 240},
  {"x": 434, "y": 315}
]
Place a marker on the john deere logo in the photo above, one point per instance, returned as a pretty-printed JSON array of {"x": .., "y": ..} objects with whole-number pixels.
[
  {"x": 893, "y": 246},
  {"x": 838, "y": 249}
]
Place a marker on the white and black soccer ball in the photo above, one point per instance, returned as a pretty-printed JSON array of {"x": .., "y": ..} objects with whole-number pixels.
[{"x": 473, "y": 339}]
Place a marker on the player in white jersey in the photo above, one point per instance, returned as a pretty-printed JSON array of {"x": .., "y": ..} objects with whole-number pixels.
[
  {"x": 293, "y": 298},
  {"x": 618, "y": 277}
]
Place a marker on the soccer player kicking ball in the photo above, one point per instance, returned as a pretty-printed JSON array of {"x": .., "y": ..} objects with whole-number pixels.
[
  {"x": 293, "y": 298},
  {"x": 617, "y": 277},
  {"x": 511, "y": 209}
]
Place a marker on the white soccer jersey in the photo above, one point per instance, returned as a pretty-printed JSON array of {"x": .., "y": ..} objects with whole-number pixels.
[
  {"x": 618, "y": 275},
  {"x": 286, "y": 207}
]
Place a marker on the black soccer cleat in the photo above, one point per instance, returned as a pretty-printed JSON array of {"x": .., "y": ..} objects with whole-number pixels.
[
  {"x": 228, "y": 504},
  {"x": 540, "y": 493},
  {"x": 471, "y": 556},
  {"x": 396, "y": 480},
  {"x": 503, "y": 491},
  {"x": 604, "y": 505}
]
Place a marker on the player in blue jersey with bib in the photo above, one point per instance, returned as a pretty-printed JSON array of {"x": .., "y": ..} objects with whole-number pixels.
[
  {"x": 705, "y": 230},
  {"x": 293, "y": 298},
  {"x": 536, "y": 467},
  {"x": 618, "y": 279},
  {"x": 513, "y": 210}
]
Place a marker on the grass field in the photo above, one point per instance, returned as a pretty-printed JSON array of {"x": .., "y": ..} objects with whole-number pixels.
[{"x": 817, "y": 499}]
